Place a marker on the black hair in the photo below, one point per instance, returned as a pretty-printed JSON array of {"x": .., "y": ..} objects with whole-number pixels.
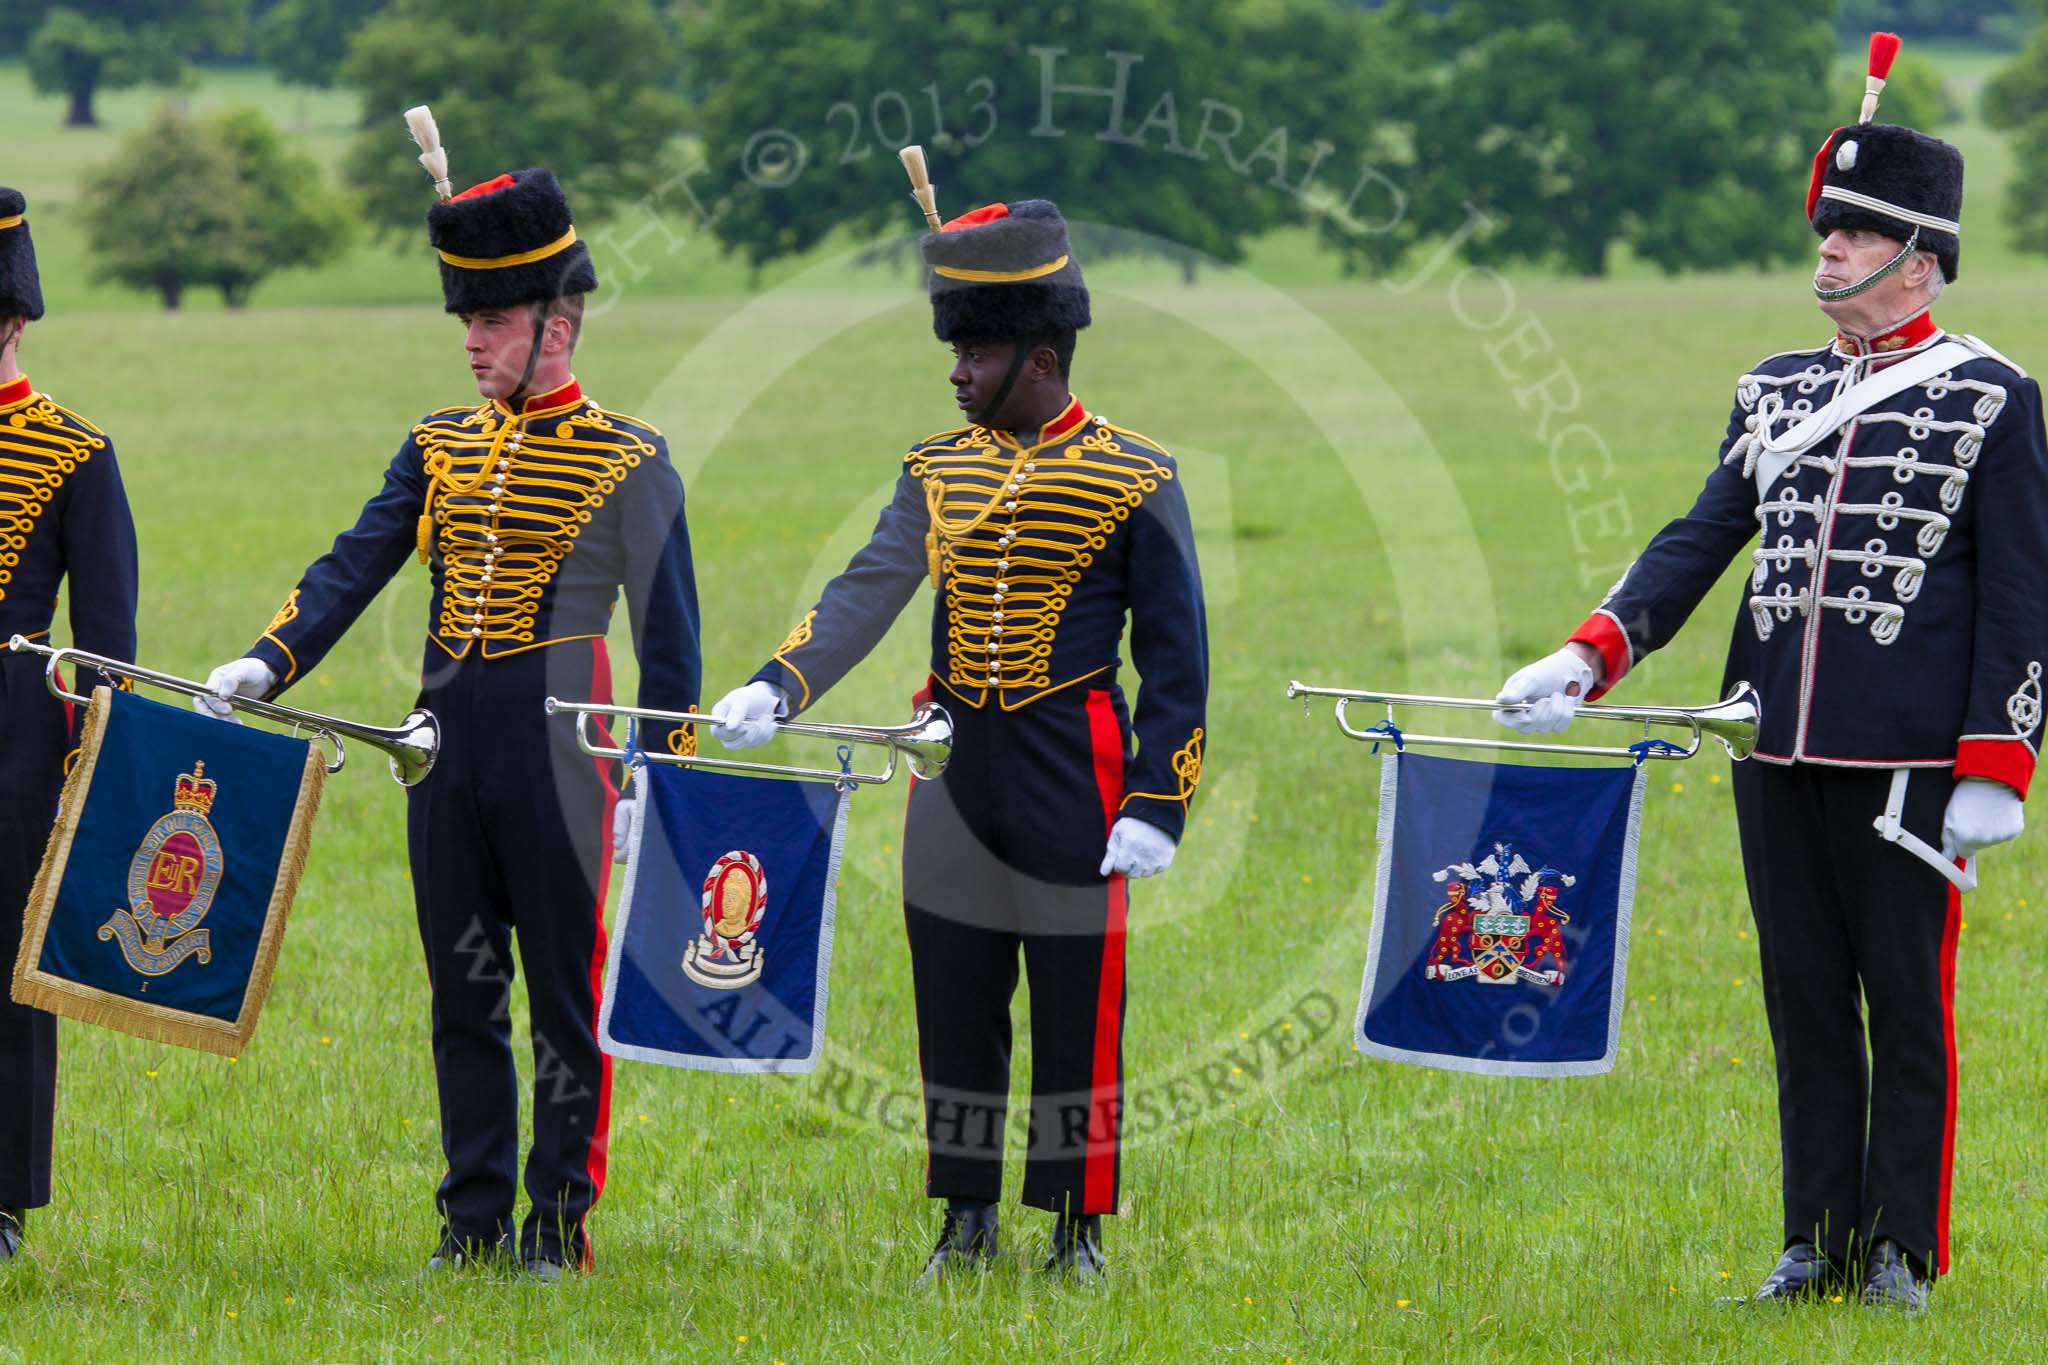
[{"x": 1062, "y": 343}]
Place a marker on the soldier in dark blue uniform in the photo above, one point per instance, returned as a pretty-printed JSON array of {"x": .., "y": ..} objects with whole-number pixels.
[
  {"x": 63, "y": 515},
  {"x": 1042, "y": 526},
  {"x": 1896, "y": 626},
  {"x": 532, "y": 510}
]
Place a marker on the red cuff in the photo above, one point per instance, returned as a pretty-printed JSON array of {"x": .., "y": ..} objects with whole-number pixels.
[
  {"x": 2003, "y": 760},
  {"x": 1603, "y": 634}
]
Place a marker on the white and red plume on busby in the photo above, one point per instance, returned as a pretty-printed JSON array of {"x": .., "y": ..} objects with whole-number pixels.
[{"x": 1884, "y": 178}]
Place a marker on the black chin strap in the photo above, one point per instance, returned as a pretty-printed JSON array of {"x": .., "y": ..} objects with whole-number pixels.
[
  {"x": 1024, "y": 350},
  {"x": 540, "y": 327},
  {"x": 1850, "y": 291}
]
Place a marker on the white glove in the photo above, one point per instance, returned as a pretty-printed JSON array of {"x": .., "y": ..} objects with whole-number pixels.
[
  {"x": 237, "y": 678},
  {"x": 1982, "y": 811},
  {"x": 1136, "y": 849},
  {"x": 625, "y": 816},
  {"x": 745, "y": 717},
  {"x": 1546, "y": 685}
]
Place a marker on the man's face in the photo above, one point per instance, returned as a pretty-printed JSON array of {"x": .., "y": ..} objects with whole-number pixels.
[
  {"x": 498, "y": 342},
  {"x": 979, "y": 368},
  {"x": 1851, "y": 254}
]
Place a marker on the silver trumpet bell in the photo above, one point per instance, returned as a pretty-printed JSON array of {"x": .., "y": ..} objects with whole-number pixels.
[
  {"x": 411, "y": 745},
  {"x": 1732, "y": 721},
  {"x": 925, "y": 742}
]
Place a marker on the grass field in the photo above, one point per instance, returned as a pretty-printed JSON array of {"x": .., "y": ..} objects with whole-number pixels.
[{"x": 1375, "y": 506}]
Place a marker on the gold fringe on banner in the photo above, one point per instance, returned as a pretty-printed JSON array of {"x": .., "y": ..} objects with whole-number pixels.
[{"x": 104, "y": 1009}]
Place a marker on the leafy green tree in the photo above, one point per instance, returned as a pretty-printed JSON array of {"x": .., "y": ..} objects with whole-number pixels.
[
  {"x": 304, "y": 41},
  {"x": 166, "y": 212},
  {"x": 292, "y": 218},
  {"x": 1553, "y": 130},
  {"x": 80, "y": 47},
  {"x": 1188, "y": 126},
  {"x": 2016, "y": 100},
  {"x": 219, "y": 202},
  {"x": 585, "y": 92}
]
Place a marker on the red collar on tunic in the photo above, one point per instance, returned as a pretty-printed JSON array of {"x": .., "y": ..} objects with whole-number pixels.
[
  {"x": 1070, "y": 420},
  {"x": 1914, "y": 331},
  {"x": 568, "y": 395}
]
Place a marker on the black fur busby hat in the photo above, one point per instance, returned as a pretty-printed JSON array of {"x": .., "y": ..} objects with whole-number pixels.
[
  {"x": 509, "y": 241},
  {"x": 1005, "y": 273},
  {"x": 21, "y": 288},
  {"x": 1883, "y": 178}
]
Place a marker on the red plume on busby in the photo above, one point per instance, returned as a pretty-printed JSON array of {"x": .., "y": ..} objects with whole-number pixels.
[
  {"x": 21, "y": 287},
  {"x": 1887, "y": 179}
]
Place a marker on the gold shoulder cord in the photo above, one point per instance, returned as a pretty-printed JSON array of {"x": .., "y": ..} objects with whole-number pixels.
[
  {"x": 942, "y": 532},
  {"x": 440, "y": 483}
]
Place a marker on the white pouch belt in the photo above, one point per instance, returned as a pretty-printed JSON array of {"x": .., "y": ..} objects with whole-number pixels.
[
  {"x": 1964, "y": 878},
  {"x": 1778, "y": 452}
]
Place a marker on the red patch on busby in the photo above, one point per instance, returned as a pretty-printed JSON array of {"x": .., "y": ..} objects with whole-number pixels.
[
  {"x": 986, "y": 214},
  {"x": 1820, "y": 170},
  {"x": 1884, "y": 49},
  {"x": 491, "y": 186}
]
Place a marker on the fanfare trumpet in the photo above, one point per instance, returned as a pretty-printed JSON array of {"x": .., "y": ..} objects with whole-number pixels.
[
  {"x": 411, "y": 746},
  {"x": 925, "y": 743},
  {"x": 1732, "y": 721}
]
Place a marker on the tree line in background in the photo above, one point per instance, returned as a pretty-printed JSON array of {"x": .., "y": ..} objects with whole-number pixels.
[{"x": 1543, "y": 131}]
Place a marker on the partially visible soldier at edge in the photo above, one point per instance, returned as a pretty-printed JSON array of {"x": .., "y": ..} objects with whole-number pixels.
[
  {"x": 64, "y": 519},
  {"x": 1896, "y": 626}
]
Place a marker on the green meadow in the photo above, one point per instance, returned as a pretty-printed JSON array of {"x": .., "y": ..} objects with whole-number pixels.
[{"x": 1411, "y": 484}]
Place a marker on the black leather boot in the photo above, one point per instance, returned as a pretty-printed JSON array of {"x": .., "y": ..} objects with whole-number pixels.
[
  {"x": 10, "y": 1233},
  {"x": 468, "y": 1253},
  {"x": 1889, "y": 1280},
  {"x": 1803, "y": 1272},
  {"x": 1077, "y": 1248},
  {"x": 966, "y": 1239}
]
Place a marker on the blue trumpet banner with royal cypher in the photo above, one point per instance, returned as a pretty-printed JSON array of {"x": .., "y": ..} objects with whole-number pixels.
[
  {"x": 723, "y": 949},
  {"x": 1501, "y": 916},
  {"x": 161, "y": 904}
]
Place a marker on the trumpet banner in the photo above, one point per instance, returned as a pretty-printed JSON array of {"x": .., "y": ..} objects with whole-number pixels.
[
  {"x": 161, "y": 903},
  {"x": 1501, "y": 916},
  {"x": 723, "y": 950}
]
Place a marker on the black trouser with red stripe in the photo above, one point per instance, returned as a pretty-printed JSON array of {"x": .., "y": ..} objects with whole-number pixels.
[
  {"x": 510, "y": 836},
  {"x": 1001, "y": 854},
  {"x": 32, "y": 744},
  {"x": 1866, "y": 1119}
]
